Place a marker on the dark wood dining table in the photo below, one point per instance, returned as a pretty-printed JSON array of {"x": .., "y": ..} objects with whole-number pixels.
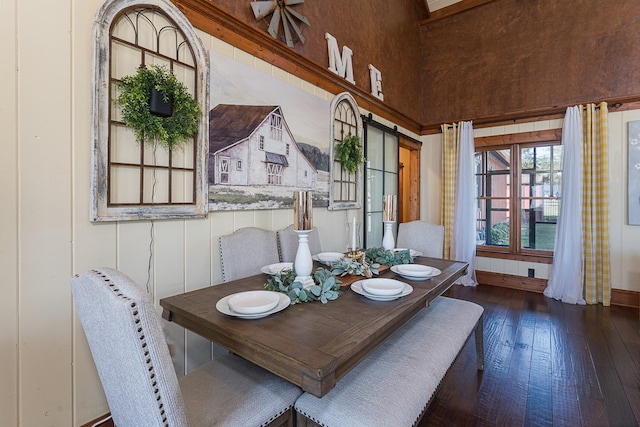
[{"x": 310, "y": 344}]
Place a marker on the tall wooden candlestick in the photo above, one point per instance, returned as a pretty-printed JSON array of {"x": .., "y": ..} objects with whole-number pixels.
[
  {"x": 389, "y": 207},
  {"x": 302, "y": 210}
]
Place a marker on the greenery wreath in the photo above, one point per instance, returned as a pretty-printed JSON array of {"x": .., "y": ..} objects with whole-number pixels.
[
  {"x": 349, "y": 153},
  {"x": 171, "y": 131}
]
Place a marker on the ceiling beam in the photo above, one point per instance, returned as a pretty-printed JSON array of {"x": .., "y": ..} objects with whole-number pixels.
[{"x": 454, "y": 9}]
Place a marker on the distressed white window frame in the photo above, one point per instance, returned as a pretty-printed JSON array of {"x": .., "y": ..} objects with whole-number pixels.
[
  {"x": 100, "y": 211},
  {"x": 340, "y": 205}
]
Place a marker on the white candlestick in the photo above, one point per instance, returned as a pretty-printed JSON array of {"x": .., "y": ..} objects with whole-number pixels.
[
  {"x": 303, "y": 264},
  {"x": 353, "y": 235}
]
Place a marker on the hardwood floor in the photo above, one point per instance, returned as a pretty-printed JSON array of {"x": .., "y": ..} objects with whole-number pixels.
[{"x": 546, "y": 363}]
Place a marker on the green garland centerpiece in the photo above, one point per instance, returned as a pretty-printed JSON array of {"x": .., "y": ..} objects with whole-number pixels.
[
  {"x": 325, "y": 288},
  {"x": 170, "y": 131},
  {"x": 368, "y": 263},
  {"x": 387, "y": 257},
  {"x": 349, "y": 153}
]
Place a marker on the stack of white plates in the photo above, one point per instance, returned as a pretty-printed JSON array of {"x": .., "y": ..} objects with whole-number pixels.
[
  {"x": 253, "y": 304},
  {"x": 277, "y": 268},
  {"x": 381, "y": 289},
  {"x": 415, "y": 271},
  {"x": 328, "y": 257}
]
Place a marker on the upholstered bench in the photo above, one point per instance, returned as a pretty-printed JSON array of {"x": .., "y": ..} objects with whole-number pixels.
[{"x": 394, "y": 385}]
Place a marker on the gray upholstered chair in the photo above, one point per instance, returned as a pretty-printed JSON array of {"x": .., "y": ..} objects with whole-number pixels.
[
  {"x": 288, "y": 243},
  {"x": 132, "y": 358},
  {"x": 421, "y": 236},
  {"x": 245, "y": 251}
]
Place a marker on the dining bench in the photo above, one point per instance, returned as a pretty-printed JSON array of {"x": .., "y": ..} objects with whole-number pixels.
[{"x": 394, "y": 385}]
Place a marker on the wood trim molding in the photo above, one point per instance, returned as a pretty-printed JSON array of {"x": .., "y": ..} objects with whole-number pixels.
[
  {"x": 518, "y": 138},
  {"x": 219, "y": 23},
  {"x": 619, "y": 297},
  {"x": 510, "y": 281},
  {"x": 541, "y": 258},
  {"x": 102, "y": 421},
  {"x": 615, "y": 105},
  {"x": 454, "y": 9},
  {"x": 625, "y": 298}
]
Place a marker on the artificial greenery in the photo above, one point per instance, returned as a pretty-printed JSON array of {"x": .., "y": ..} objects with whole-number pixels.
[
  {"x": 387, "y": 257},
  {"x": 325, "y": 288},
  {"x": 355, "y": 266},
  {"x": 136, "y": 92},
  {"x": 349, "y": 153},
  {"x": 370, "y": 261}
]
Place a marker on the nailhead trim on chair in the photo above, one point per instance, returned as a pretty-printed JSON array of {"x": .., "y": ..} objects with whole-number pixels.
[
  {"x": 221, "y": 259},
  {"x": 143, "y": 343}
]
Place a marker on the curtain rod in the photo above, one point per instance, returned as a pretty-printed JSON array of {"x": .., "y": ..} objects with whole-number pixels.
[{"x": 533, "y": 116}]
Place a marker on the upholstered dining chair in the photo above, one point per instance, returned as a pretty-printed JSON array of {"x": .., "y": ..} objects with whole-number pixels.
[
  {"x": 133, "y": 362},
  {"x": 288, "y": 243},
  {"x": 422, "y": 236},
  {"x": 245, "y": 251}
]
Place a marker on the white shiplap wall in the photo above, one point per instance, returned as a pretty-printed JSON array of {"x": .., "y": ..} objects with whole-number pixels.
[{"x": 48, "y": 376}]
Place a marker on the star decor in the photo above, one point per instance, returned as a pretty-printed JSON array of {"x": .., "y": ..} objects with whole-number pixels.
[{"x": 282, "y": 11}]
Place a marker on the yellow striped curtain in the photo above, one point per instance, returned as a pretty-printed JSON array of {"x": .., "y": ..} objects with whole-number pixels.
[
  {"x": 595, "y": 205},
  {"x": 450, "y": 134}
]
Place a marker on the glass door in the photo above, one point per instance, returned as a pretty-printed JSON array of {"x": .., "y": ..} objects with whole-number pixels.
[{"x": 381, "y": 171}]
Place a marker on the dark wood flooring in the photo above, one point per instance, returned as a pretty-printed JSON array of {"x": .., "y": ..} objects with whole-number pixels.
[{"x": 546, "y": 364}]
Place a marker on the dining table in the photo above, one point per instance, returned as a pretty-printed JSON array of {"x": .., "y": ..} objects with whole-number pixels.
[{"x": 311, "y": 344}]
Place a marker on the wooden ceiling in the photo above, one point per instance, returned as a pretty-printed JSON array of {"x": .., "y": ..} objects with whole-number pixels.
[{"x": 438, "y": 9}]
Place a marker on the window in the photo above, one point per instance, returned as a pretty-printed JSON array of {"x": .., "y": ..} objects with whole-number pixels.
[
  {"x": 223, "y": 170},
  {"x": 518, "y": 187},
  {"x": 133, "y": 180},
  {"x": 276, "y": 127},
  {"x": 239, "y": 165},
  {"x": 274, "y": 173},
  {"x": 344, "y": 187},
  {"x": 261, "y": 144},
  {"x": 288, "y": 147}
]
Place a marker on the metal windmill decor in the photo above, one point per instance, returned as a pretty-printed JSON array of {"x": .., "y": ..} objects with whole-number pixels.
[{"x": 282, "y": 11}]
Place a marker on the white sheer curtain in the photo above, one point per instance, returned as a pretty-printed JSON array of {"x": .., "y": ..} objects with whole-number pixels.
[
  {"x": 565, "y": 283},
  {"x": 464, "y": 241}
]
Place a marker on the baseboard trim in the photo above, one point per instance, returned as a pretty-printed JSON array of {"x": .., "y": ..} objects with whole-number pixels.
[
  {"x": 625, "y": 298},
  {"x": 103, "y": 421},
  {"x": 620, "y": 297}
]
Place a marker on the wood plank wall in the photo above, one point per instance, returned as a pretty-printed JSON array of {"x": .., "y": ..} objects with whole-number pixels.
[
  {"x": 384, "y": 36},
  {"x": 510, "y": 58}
]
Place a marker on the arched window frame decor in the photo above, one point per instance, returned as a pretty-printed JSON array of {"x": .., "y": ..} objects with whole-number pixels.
[
  {"x": 345, "y": 118},
  {"x": 103, "y": 107}
]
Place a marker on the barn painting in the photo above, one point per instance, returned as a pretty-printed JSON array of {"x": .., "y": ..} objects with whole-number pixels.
[{"x": 267, "y": 139}]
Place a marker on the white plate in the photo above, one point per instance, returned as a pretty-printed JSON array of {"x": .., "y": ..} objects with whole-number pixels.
[
  {"x": 357, "y": 288},
  {"x": 418, "y": 276},
  {"x": 382, "y": 287},
  {"x": 253, "y": 302},
  {"x": 412, "y": 252},
  {"x": 276, "y": 268},
  {"x": 328, "y": 257},
  {"x": 223, "y": 307}
]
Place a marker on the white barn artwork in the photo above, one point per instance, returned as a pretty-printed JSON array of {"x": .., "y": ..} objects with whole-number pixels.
[{"x": 252, "y": 146}]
